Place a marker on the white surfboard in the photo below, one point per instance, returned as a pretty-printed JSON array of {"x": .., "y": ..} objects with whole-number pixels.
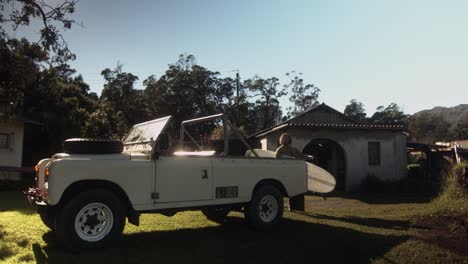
[
  {"x": 263, "y": 153},
  {"x": 319, "y": 180}
]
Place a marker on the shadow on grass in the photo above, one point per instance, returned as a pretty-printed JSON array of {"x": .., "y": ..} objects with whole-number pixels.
[
  {"x": 15, "y": 201},
  {"x": 369, "y": 222},
  {"x": 234, "y": 242},
  {"x": 385, "y": 198}
]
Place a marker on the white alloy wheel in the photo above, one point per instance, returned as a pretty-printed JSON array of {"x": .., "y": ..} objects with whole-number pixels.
[
  {"x": 94, "y": 222},
  {"x": 268, "y": 208}
]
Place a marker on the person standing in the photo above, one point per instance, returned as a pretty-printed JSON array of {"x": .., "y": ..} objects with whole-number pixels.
[{"x": 285, "y": 150}]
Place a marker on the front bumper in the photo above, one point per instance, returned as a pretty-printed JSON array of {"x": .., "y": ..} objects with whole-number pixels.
[{"x": 34, "y": 196}]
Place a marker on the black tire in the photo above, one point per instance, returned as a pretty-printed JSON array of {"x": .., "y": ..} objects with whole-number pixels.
[
  {"x": 216, "y": 214},
  {"x": 66, "y": 226},
  {"x": 92, "y": 146},
  {"x": 47, "y": 215},
  {"x": 257, "y": 217}
]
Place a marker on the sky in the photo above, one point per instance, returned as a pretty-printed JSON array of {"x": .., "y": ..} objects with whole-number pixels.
[{"x": 413, "y": 53}]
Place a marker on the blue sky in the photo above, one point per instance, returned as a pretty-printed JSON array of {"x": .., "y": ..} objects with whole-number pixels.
[{"x": 414, "y": 53}]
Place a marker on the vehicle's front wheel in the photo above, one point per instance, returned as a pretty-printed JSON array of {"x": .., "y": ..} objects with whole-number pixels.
[
  {"x": 266, "y": 208},
  {"x": 216, "y": 214},
  {"x": 91, "y": 219}
]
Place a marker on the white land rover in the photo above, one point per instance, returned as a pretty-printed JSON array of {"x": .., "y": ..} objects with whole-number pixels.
[{"x": 85, "y": 194}]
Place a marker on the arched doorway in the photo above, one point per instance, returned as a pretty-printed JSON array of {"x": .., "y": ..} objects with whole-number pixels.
[{"x": 330, "y": 156}]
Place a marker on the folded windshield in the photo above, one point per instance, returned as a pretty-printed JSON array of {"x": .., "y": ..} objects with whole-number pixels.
[{"x": 142, "y": 133}]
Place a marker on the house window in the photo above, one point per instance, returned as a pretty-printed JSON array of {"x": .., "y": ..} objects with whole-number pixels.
[
  {"x": 4, "y": 141},
  {"x": 374, "y": 153}
]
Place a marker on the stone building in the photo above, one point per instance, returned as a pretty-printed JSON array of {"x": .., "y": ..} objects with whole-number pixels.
[{"x": 349, "y": 150}]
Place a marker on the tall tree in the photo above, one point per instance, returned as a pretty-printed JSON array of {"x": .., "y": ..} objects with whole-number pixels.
[
  {"x": 392, "y": 114},
  {"x": 53, "y": 18},
  {"x": 303, "y": 96},
  {"x": 266, "y": 93},
  {"x": 122, "y": 104},
  {"x": 20, "y": 65},
  {"x": 355, "y": 110},
  {"x": 460, "y": 130},
  {"x": 428, "y": 128},
  {"x": 184, "y": 91}
]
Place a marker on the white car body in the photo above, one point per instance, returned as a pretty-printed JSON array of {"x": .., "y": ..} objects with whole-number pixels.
[
  {"x": 85, "y": 198},
  {"x": 177, "y": 181},
  {"x": 186, "y": 180}
]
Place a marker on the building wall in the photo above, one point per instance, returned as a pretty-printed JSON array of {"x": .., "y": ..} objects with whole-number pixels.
[
  {"x": 12, "y": 157},
  {"x": 355, "y": 145}
]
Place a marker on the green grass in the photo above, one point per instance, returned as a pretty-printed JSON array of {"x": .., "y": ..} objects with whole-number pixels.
[{"x": 346, "y": 229}]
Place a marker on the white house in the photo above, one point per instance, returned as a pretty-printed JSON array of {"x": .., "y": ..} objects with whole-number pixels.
[
  {"x": 349, "y": 150},
  {"x": 11, "y": 147}
]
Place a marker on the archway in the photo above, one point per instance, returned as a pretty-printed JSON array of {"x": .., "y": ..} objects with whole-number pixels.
[{"x": 330, "y": 156}]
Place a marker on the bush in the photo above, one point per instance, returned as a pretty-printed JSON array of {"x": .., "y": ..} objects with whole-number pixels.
[{"x": 453, "y": 196}]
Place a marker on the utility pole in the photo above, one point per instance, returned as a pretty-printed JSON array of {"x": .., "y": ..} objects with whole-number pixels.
[{"x": 238, "y": 99}]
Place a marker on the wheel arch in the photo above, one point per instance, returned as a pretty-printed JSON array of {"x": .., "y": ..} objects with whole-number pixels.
[
  {"x": 86, "y": 185},
  {"x": 274, "y": 182}
]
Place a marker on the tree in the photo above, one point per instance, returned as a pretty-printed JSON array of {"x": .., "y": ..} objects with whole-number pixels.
[
  {"x": 47, "y": 94},
  {"x": 355, "y": 110},
  {"x": 122, "y": 104},
  {"x": 184, "y": 91},
  {"x": 187, "y": 90},
  {"x": 266, "y": 110},
  {"x": 53, "y": 17},
  {"x": 19, "y": 70},
  {"x": 460, "y": 130},
  {"x": 392, "y": 114},
  {"x": 428, "y": 128},
  {"x": 36, "y": 81},
  {"x": 303, "y": 96},
  {"x": 98, "y": 125}
]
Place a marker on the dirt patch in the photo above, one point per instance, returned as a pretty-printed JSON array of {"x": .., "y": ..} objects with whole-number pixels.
[
  {"x": 449, "y": 232},
  {"x": 328, "y": 203}
]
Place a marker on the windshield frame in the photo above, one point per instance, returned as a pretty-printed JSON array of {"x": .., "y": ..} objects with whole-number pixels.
[{"x": 147, "y": 124}]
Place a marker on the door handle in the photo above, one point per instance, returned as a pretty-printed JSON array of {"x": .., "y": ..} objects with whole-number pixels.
[{"x": 205, "y": 174}]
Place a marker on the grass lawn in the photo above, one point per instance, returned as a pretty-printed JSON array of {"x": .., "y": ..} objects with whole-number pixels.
[{"x": 346, "y": 229}]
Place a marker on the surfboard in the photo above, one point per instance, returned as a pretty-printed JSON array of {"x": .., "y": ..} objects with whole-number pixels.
[
  {"x": 319, "y": 180},
  {"x": 261, "y": 153}
]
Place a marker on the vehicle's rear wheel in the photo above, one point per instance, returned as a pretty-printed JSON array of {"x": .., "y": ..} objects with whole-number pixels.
[
  {"x": 47, "y": 215},
  {"x": 216, "y": 214},
  {"x": 91, "y": 219},
  {"x": 266, "y": 208}
]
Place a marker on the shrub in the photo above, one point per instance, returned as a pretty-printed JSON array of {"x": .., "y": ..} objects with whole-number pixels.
[{"x": 453, "y": 196}]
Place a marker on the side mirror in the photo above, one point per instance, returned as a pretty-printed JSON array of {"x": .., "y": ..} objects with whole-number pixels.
[{"x": 164, "y": 141}]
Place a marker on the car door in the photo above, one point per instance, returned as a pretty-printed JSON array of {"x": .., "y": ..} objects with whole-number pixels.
[{"x": 183, "y": 179}]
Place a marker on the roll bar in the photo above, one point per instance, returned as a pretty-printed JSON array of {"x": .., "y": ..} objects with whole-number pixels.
[{"x": 226, "y": 124}]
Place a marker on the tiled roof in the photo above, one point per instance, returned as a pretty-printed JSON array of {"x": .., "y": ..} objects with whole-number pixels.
[
  {"x": 358, "y": 126},
  {"x": 324, "y": 116}
]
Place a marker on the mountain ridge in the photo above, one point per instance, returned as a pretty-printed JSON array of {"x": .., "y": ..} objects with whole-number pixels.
[{"x": 453, "y": 115}]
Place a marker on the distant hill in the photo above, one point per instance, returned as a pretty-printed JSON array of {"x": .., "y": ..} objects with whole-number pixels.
[{"x": 451, "y": 114}]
